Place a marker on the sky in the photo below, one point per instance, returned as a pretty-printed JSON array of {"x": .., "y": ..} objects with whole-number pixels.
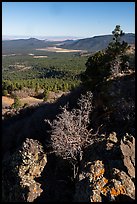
[{"x": 79, "y": 19}]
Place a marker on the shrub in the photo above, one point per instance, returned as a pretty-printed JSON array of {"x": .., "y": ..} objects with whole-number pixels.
[
  {"x": 70, "y": 133},
  {"x": 4, "y": 92}
]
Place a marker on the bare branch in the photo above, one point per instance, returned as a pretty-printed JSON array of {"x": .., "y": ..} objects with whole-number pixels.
[{"x": 70, "y": 134}]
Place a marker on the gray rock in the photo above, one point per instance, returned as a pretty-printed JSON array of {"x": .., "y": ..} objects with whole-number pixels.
[
  {"x": 127, "y": 147},
  {"x": 126, "y": 182},
  {"x": 20, "y": 171}
]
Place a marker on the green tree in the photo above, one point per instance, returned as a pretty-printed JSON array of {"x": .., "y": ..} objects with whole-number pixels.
[
  {"x": 17, "y": 103},
  {"x": 45, "y": 93},
  {"x": 64, "y": 87},
  {"x": 97, "y": 68},
  {"x": 117, "y": 52},
  {"x": 117, "y": 33},
  {"x": 55, "y": 89},
  {"x": 20, "y": 87},
  {"x": 112, "y": 61},
  {"x": 37, "y": 88}
]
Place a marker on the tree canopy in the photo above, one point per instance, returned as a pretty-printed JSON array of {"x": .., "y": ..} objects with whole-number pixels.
[{"x": 111, "y": 61}]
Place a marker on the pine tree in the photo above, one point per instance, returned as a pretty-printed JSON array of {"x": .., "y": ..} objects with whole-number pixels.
[
  {"x": 112, "y": 61},
  {"x": 17, "y": 103},
  {"x": 45, "y": 93},
  {"x": 37, "y": 89}
]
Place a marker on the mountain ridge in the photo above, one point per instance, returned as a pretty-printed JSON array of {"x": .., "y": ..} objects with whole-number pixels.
[
  {"x": 92, "y": 44},
  {"x": 97, "y": 43}
]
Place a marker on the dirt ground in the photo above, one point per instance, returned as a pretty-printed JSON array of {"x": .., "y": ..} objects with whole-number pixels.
[{"x": 8, "y": 101}]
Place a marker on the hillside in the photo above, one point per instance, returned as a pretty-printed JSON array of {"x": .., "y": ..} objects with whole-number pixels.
[
  {"x": 96, "y": 43},
  {"x": 90, "y": 44},
  {"x": 106, "y": 173},
  {"x": 23, "y": 45}
]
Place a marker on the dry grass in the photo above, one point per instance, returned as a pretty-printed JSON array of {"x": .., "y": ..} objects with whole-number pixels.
[
  {"x": 57, "y": 49},
  {"x": 40, "y": 56},
  {"x": 7, "y": 101},
  {"x": 30, "y": 100},
  {"x": 52, "y": 96}
]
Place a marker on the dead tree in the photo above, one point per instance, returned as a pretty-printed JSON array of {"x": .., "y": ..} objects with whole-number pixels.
[{"x": 70, "y": 133}]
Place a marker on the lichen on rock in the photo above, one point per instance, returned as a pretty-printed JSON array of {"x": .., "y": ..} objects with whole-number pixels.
[
  {"x": 23, "y": 167},
  {"x": 99, "y": 181}
]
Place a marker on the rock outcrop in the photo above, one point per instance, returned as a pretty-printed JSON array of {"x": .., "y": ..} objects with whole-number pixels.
[
  {"x": 107, "y": 169},
  {"x": 127, "y": 147},
  {"x": 99, "y": 181},
  {"x": 114, "y": 102},
  {"x": 20, "y": 171}
]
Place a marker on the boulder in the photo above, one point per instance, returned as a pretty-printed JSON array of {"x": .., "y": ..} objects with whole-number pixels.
[
  {"x": 99, "y": 181},
  {"x": 20, "y": 171},
  {"x": 127, "y": 147},
  {"x": 126, "y": 183}
]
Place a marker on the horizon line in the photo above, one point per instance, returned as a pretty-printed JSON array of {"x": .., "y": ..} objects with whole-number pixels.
[{"x": 67, "y": 37}]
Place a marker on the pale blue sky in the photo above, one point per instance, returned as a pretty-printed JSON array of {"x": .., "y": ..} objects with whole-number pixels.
[{"x": 80, "y": 19}]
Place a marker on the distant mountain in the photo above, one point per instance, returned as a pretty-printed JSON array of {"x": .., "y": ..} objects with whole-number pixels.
[
  {"x": 90, "y": 44},
  {"x": 68, "y": 41},
  {"x": 96, "y": 43},
  {"x": 24, "y": 45},
  {"x": 48, "y": 38}
]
